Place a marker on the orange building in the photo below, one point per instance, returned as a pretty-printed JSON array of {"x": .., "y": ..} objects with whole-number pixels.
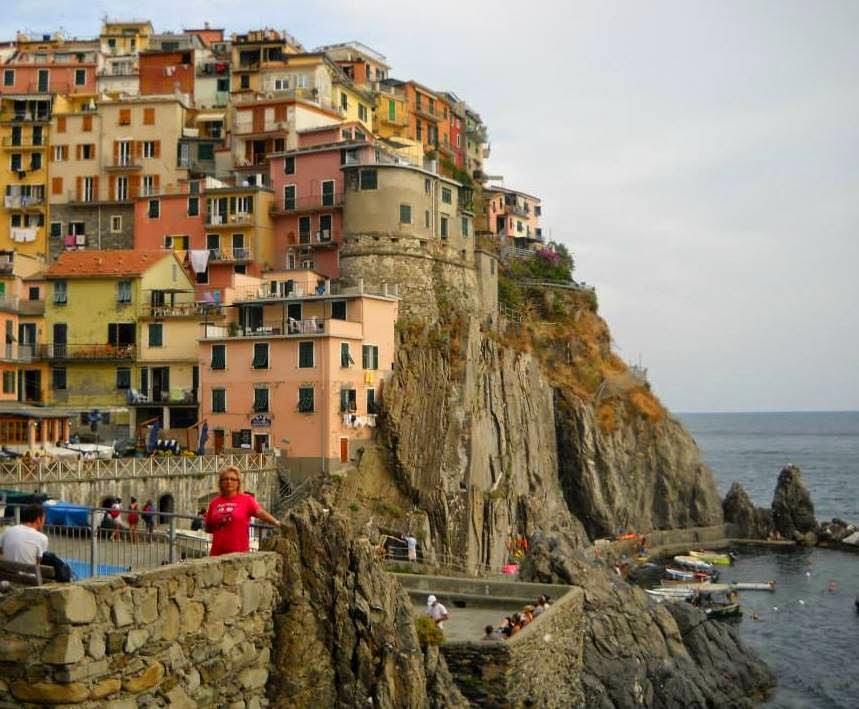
[{"x": 165, "y": 72}]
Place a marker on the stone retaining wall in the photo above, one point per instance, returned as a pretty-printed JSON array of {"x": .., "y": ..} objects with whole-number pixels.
[
  {"x": 196, "y": 634},
  {"x": 539, "y": 666}
]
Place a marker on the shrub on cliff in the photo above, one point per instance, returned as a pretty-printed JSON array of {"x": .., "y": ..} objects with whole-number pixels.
[{"x": 428, "y": 632}]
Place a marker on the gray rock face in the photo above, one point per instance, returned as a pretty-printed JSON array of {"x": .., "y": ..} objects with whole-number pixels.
[
  {"x": 751, "y": 522},
  {"x": 638, "y": 653},
  {"x": 643, "y": 476},
  {"x": 344, "y": 633},
  {"x": 792, "y": 508}
]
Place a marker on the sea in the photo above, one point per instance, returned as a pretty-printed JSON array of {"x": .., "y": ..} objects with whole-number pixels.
[{"x": 808, "y": 629}]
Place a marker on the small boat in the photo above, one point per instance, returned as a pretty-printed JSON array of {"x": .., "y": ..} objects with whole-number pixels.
[
  {"x": 670, "y": 594},
  {"x": 719, "y": 587},
  {"x": 713, "y": 557},
  {"x": 690, "y": 562},
  {"x": 689, "y": 575},
  {"x": 718, "y": 611}
]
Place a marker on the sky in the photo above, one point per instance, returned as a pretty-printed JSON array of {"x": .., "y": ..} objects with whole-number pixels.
[{"x": 700, "y": 159}]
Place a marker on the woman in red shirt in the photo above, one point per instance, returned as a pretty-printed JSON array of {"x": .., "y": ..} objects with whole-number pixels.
[{"x": 229, "y": 514}]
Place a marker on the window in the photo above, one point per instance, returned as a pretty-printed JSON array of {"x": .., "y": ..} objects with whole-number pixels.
[
  {"x": 154, "y": 209},
  {"x": 405, "y": 214},
  {"x": 219, "y": 401},
  {"x": 56, "y": 230},
  {"x": 15, "y": 162},
  {"x": 305, "y": 400},
  {"x": 80, "y": 77},
  {"x": 156, "y": 334},
  {"x": 36, "y": 161},
  {"x": 370, "y": 356},
  {"x": 419, "y": 130},
  {"x": 87, "y": 151},
  {"x": 446, "y": 195},
  {"x": 9, "y": 77},
  {"x": 392, "y": 110},
  {"x": 61, "y": 293},
  {"x": 8, "y": 382},
  {"x": 124, "y": 117},
  {"x": 519, "y": 227},
  {"x": 369, "y": 180},
  {"x": 362, "y": 112},
  {"x": 345, "y": 356},
  {"x": 61, "y": 153},
  {"x": 245, "y": 81},
  {"x": 149, "y": 148},
  {"x": 123, "y": 292},
  {"x": 260, "y": 360},
  {"x": 149, "y": 116},
  {"x": 281, "y": 84},
  {"x": 219, "y": 357},
  {"x": 427, "y": 218},
  {"x": 58, "y": 378},
  {"x": 289, "y": 166},
  {"x": 348, "y": 400},
  {"x": 371, "y": 402},
  {"x": 338, "y": 309},
  {"x": 123, "y": 378},
  {"x": 328, "y": 193},
  {"x": 344, "y": 101},
  {"x": 193, "y": 206},
  {"x": 443, "y": 226},
  {"x": 33, "y": 293},
  {"x": 205, "y": 152},
  {"x": 305, "y": 355},
  {"x": 260, "y": 400},
  {"x": 289, "y": 197},
  {"x": 465, "y": 226}
]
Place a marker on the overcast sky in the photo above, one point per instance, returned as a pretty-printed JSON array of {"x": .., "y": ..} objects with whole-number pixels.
[{"x": 701, "y": 160}]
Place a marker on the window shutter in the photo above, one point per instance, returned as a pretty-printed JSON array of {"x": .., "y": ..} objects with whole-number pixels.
[
  {"x": 138, "y": 148},
  {"x": 92, "y": 151},
  {"x": 112, "y": 187},
  {"x": 61, "y": 124},
  {"x": 95, "y": 188},
  {"x": 157, "y": 151},
  {"x": 156, "y": 183},
  {"x": 116, "y": 152},
  {"x": 134, "y": 185},
  {"x": 78, "y": 149},
  {"x": 56, "y": 185},
  {"x": 79, "y": 181}
]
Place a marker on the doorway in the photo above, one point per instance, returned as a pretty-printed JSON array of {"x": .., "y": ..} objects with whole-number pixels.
[
  {"x": 344, "y": 450},
  {"x": 166, "y": 505},
  {"x": 219, "y": 441},
  {"x": 260, "y": 442},
  {"x": 160, "y": 383}
]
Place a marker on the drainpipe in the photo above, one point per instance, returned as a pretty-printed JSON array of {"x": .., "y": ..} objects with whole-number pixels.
[
  {"x": 99, "y": 227},
  {"x": 323, "y": 429}
]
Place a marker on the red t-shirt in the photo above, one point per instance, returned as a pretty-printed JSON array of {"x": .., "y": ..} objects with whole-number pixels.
[{"x": 229, "y": 520}]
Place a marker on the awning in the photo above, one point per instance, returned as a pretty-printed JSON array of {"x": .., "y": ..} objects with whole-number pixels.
[{"x": 209, "y": 117}]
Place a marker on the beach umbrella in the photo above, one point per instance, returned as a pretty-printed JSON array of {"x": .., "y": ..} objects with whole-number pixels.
[
  {"x": 153, "y": 435},
  {"x": 204, "y": 436}
]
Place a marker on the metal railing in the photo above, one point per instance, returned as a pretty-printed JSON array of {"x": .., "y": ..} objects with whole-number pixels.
[
  {"x": 230, "y": 255},
  {"x": 87, "y": 352},
  {"x": 24, "y": 142},
  {"x": 322, "y": 236},
  {"x": 180, "y": 310},
  {"x": 309, "y": 202},
  {"x": 94, "y": 542},
  {"x": 14, "y": 352},
  {"x": 229, "y": 219}
]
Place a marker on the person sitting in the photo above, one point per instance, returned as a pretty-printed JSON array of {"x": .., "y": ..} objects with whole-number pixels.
[
  {"x": 25, "y": 542},
  {"x": 491, "y": 633}
]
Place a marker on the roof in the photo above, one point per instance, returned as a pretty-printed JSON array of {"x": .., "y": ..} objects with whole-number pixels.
[
  {"x": 108, "y": 263},
  {"x": 508, "y": 190}
]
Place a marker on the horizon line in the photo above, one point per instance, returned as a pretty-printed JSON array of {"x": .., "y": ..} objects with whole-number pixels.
[{"x": 770, "y": 411}]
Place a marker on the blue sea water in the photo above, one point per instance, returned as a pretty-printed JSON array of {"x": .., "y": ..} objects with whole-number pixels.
[{"x": 808, "y": 630}]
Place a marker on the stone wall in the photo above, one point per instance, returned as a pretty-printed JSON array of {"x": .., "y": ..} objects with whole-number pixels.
[
  {"x": 539, "y": 666},
  {"x": 197, "y": 634},
  {"x": 97, "y": 221}
]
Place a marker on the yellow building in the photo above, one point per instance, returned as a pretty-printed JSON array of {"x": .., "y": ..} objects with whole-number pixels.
[
  {"x": 391, "y": 119},
  {"x": 121, "y": 328},
  {"x": 239, "y": 229}
]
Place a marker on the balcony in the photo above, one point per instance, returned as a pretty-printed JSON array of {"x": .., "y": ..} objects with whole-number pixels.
[
  {"x": 35, "y": 202},
  {"x": 7, "y": 266},
  {"x": 88, "y": 353},
  {"x": 477, "y": 132},
  {"x": 234, "y": 255},
  {"x": 180, "y": 310},
  {"x": 288, "y": 327},
  {"x": 25, "y": 116},
  {"x": 395, "y": 121},
  {"x": 11, "y": 142},
  {"x": 31, "y": 307},
  {"x": 518, "y": 209},
  {"x": 323, "y": 238},
  {"x": 259, "y": 128},
  {"x": 426, "y": 112},
  {"x": 310, "y": 203},
  {"x": 124, "y": 163},
  {"x": 22, "y": 354},
  {"x": 216, "y": 220}
]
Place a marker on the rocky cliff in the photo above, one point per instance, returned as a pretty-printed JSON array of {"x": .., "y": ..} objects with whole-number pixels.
[
  {"x": 640, "y": 653},
  {"x": 344, "y": 633}
]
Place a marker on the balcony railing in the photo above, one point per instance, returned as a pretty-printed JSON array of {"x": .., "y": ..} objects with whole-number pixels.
[
  {"x": 28, "y": 142},
  {"x": 88, "y": 352},
  {"x": 7, "y": 267},
  {"x": 397, "y": 120},
  {"x": 31, "y": 307},
  {"x": 180, "y": 310},
  {"x": 25, "y": 116},
  {"x": 323, "y": 237},
  {"x": 518, "y": 210},
  {"x": 228, "y": 219},
  {"x": 234, "y": 255},
  {"x": 124, "y": 162},
  {"x": 309, "y": 203},
  {"x": 23, "y": 202},
  {"x": 14, "y": 352},
  {"x": 426, "y": 111},
  {"x": 266, "y": 127}
]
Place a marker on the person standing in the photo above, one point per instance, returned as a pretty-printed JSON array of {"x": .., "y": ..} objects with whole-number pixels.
[
  {"x": 412, "y": 545},
  {"x": 149, "y": 518},
  {"x": 437, "y": 611},
  {"x": 133, "y": 518},
  {"x": 25, "y": 542},
  {"x": 229, "y": 515}
]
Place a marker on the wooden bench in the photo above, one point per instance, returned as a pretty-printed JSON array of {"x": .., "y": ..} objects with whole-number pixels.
[{"x": 25, "y": 574}]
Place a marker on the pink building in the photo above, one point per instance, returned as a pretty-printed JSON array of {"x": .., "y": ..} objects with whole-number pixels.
[
  {"x": 514, "y": 216},
  {"x": 298, "y": 367},
  {"x": 308, "y": 195}
]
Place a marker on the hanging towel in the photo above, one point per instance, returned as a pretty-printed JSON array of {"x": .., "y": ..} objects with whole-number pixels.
[{"x": 199, "y": 260}]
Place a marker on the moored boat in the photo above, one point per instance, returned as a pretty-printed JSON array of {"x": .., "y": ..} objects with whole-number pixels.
[
  {"x": 690, "y": 575},
  {"x": 669, "y": 594},
  {"x": 713, "y": 557},
  {"x": 718, "y": 611},
  {"x": 690, "y": 562}
]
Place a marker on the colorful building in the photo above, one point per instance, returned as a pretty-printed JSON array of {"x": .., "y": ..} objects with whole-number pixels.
[
  {"x": 299, "y": 367},
  {"x": 512, "y": 216}
]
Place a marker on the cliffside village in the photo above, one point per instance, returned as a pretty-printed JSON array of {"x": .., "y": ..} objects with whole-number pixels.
[{"x": 173, "y": 234}]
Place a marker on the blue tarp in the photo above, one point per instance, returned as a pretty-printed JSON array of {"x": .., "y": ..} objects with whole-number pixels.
[
  {"x": 81, "y": 569},
  {"x": 67, "y": 515}
]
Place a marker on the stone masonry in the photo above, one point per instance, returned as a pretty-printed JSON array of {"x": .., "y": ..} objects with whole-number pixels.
[
  {"x": 539, "y": 666},
  {"x": 192, "y": 635}
]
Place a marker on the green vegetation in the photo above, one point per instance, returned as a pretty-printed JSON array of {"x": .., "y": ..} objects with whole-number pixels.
[{"x": 428, "y": 632}]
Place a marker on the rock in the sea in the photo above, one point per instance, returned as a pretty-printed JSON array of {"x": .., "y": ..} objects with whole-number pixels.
[
  {"x": 792, "y": 508},
  {"x": 344, "y": 632},
  {"x": 638, "y": 653},
  {"x": 750, "y": 522}
]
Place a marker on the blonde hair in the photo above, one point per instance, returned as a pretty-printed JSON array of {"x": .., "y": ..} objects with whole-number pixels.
[{"x": 231, "y": 469}]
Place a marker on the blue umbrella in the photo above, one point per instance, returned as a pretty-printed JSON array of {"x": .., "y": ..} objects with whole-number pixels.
[
  {"x": 204, "y": 436},
  {"x": 153, "y": 435}
]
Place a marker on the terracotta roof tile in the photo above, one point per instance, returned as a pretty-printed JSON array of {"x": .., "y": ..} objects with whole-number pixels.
[{"x": 118, "y": 262}]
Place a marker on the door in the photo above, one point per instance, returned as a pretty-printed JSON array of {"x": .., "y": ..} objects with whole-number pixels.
[
  {"x": 213, "y": 244},
  {"x": 260, "y": 442},
  {"x": 304, "y": 230},
  {"x": 61, "y": 339},
  {"x": 238, "y": 247},
  {"x": 43, "y": 80},
  {"x": 32, "y": 385},
  {"x": 325, "y": 227},
  {"x": 219, "y": 441},
  {"x": 160, "y": 383},
  {"x": 344, "y": 450}
]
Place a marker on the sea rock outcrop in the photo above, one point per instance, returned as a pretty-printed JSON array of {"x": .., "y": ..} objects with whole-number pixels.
[
  {"x": 344, "y": 632},
  {"x": 638, "y": 653},
  {"x": 792, "y": 508},
  {"x": 750, "y": 522},
  {"x": 643, "y": 475}
]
